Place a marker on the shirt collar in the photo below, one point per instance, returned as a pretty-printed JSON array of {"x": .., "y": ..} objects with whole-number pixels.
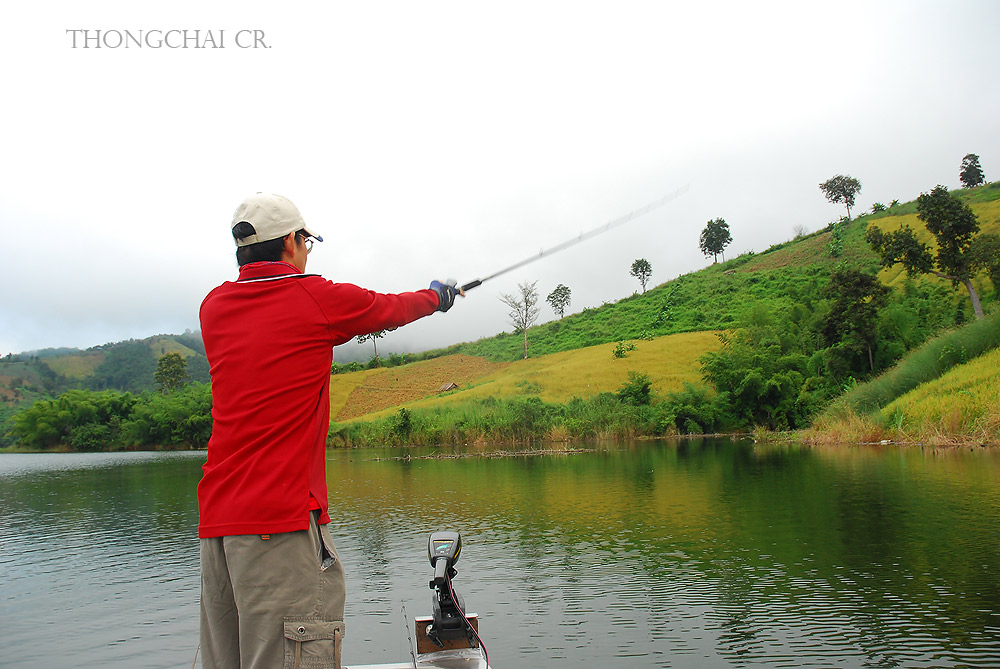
[{"x": 261, "y": 270}]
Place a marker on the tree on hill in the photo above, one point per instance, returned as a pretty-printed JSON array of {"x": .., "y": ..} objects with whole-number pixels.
[
  {"x": 559, "y": 299},
  {"x": 171, "y": 372},
  {"x": 523, "y": 309},
  {"x": 851, "y": 325},
  {"x": 714, "y": 238},
  {"x": 972, "y": 173},
  {"x": 373, "y": 337},
  {"x": 841, "y": 188},
  {"x": 959, "y": 253},
  {"x": 642, "y": 270}
]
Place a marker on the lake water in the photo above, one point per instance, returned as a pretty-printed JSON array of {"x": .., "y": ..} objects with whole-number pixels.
[{"x": 701, "y": 553}]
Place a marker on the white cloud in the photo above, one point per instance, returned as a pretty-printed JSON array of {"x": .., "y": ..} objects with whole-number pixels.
[{"x": 453, "y": 139}]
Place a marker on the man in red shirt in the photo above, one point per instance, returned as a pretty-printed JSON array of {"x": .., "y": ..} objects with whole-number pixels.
[{"x": 272, "y": 583}]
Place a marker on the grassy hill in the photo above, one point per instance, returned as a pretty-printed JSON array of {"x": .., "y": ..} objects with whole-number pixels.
[
  {"x": 573, "y": 386},
  {"x": 76, "y": 365},
  {"x": 965, "y": 400},
  {"x": 945, "y": 392},
  {"x": 670, "y": 361},
  {"x": 718, "y": 296},
  {"x": 572, "y": 357}
]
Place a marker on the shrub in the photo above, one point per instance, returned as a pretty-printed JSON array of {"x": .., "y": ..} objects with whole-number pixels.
[
  {"x": 694, "y": 410},
  {"x": 635, "y": 391},
  {"x": 622, "y": 349}
]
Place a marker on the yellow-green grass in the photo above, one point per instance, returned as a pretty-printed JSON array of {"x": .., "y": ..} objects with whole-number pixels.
[
  {"x": 988, "y": 214},
  {"x": 161, "y": 346},
  {"x": 342, "y": 385},
  {"x": 669, "y": 362},
  {"x": 76, "y": 365},
  {"x": 378, "y": 389},
  {"x": 964, "y": 400},
  {"x": 961, "y": 407}
]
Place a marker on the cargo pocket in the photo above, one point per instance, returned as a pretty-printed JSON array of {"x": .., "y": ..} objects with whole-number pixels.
[{"x": 311, "y": 643}]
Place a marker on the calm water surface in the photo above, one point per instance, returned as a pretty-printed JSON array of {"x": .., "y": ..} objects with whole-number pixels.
[{"x": 655, "y": 554}]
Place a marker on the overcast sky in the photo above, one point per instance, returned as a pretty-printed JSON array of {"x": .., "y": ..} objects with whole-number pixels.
[{"x": 451, "y": 139}]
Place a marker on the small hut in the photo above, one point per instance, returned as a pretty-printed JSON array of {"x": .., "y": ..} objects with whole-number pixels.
[{"x": 451, "y": 385}]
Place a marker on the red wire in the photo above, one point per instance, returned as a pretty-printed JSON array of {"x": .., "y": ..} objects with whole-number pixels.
[{"x": 454, "y": 599}]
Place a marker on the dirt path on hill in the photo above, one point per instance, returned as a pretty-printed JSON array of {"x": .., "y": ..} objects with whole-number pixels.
[{"x": 398, "y": 385}]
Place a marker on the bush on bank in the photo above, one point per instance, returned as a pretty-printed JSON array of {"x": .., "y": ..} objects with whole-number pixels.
[
  {"x": 629, "y": 413},
  {"x": 111, "y": 420}
]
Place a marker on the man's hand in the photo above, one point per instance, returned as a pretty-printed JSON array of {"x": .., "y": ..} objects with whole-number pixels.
[{"x": 446, "y": 293}]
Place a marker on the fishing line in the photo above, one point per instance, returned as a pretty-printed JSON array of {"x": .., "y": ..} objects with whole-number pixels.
[
  {"x": 409, "y": 639},
  {"x": 631, "y": 216}
]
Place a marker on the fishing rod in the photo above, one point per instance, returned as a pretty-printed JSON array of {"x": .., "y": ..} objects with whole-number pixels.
[{"x": 631, "y": 216}]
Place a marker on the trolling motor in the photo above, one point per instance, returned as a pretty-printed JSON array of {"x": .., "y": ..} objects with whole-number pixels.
[{"x": 449, "y": 621}]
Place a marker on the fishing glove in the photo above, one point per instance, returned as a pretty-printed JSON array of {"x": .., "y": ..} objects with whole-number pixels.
[{"x": 446, "y": 293}]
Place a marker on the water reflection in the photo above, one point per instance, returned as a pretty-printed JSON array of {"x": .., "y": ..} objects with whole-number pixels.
[
  {"x": 98, "y": 559},
  {"x": 694, "y": 554}
]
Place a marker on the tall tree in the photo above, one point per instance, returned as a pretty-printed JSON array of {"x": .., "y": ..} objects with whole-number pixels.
[
  {"x": 841, "y": 188},
  {"x": 523, "y": 309},
  {"x": 642, "y": 270},
  {"x": 852, "y": 322},
  {"x": 373, "y": 337},
  {"x": 559, "y": 299},
  {"x": 714, "y": 238},
  {"x": 955, "y": 227},
  {"x": 972, "y": 172},
  {"x": 171, "y": 372}
]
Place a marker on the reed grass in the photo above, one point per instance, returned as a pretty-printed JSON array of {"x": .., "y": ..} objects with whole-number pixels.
[
  {"x": 965, "y": 400},
  {"x": 922, "y": 365},
  {"x": 516, "y": 420},
  {"x": 960, "y": 408}
]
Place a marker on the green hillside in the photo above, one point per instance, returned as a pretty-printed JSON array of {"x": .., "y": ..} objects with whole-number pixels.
[
  {"x": 946, "y": 392},
  {"x": 769, "y": 340},
  {"x": 784, "y": 277},
  {"x": 126, "y": 366},
  {"x": 781, "y": 362}
]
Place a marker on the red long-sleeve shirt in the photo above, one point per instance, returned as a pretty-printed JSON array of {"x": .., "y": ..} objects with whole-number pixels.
[{"x": 269, "y": 339}]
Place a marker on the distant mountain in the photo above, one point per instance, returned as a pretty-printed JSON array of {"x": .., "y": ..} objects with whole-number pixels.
[{"x": 125, "y": 365}]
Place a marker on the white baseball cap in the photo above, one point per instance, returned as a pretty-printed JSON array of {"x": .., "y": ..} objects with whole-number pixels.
[{"x": 272, "y": 217}]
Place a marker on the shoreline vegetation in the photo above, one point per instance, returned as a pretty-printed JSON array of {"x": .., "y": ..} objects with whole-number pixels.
[{"x": 943, "y": 394}]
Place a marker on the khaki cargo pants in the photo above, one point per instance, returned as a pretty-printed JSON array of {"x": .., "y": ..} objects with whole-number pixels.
[{"x": 275, "y": 602}]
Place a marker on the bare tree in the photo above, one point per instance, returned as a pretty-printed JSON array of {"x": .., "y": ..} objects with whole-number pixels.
[
  {"x": 523, "y": 309},
  {"x": 373, "y": 337}
]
